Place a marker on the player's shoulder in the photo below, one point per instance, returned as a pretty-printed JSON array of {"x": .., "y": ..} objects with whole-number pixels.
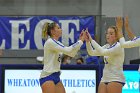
[
  {"x": 48, "y": 42},
  {"x": 118, "y": 44}
]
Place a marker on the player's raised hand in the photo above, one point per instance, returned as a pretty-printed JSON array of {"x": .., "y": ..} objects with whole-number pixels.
[
  {"x": 119, "y": 23},
  {"x": 82, "y": 35},
  {"x": 126, "y": 22},
  {"x": 128, "y": 29},
  {"x": 88, "y": 36}
]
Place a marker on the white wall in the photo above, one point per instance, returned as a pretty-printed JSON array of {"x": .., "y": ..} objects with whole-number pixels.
[
  {"x": 49, "y": 7},
  {"x": 112, "y": 8}
]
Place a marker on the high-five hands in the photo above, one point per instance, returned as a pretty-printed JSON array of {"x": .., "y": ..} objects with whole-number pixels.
[
  {"x": 88, "y": 36},
  {"x": 119, "y": 25},
  {"x": 126, "y": 23},
  {"x": 82, "y": 35},
  {"x": 128, "y": 29},
  {"x": 85, "y": 35}
]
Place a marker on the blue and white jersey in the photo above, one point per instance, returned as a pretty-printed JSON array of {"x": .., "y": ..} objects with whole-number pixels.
[
  {"x": 113, "y": 58},
  {"x": 52, "y": 55},
  {"x": 129, "y": 44}
]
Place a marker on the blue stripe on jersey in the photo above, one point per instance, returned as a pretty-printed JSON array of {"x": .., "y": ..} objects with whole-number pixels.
[
  {"x": 75, "y": 44},
  {"x": 135, "y": 38},
  {"x": 113, "y": 45},
  {"x": 57, "y": 42},
  {"x": 107, "y": 48},
  {"x": 91, "y": 45}
]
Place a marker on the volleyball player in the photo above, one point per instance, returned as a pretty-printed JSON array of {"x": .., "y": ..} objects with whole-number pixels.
[
  {"x": 50, "y": 75},
  {"x": 134, "y": 42},
  {"x": 113, "y": 78}
]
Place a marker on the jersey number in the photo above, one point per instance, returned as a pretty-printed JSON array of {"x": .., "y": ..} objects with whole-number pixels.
[
  {"x": 106, "y": 61},
  {"x": 59, "y": 58}
]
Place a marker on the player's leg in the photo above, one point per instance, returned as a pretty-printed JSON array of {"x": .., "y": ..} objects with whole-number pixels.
[
  {"x": 114, "y": 87},
  {"x": 48, "y": 83},
  {"x": 102, "y": 88},
  {"x": 48, "y": 87},
  {"x": 59, "y": 88}
]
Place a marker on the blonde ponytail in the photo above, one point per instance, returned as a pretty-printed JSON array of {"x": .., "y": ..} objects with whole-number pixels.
[{"x": 45, "y": 31}]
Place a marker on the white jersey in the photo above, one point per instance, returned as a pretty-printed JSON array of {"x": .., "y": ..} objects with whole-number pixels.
[
  {"x": 129, "y": 44},
  {"x": 52, "y": 55},
  {"x": 113, "y": 58}
]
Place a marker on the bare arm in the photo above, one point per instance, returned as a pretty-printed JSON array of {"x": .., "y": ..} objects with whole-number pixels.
[
  {"x": 128, "y": 29},
  {"x": 119, "y": 24}
]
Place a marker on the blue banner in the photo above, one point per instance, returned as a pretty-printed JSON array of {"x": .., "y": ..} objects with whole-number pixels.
[{"x": 20, "y": 33}]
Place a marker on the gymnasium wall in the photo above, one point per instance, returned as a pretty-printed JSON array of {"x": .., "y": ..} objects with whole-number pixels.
[
  {"x": 107, "y": 8},
  {"x": 50, "y": 7}
]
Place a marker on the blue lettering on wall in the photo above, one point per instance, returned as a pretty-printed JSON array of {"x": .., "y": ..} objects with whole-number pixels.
[
  {"x": 23, "y": 82},
  {"x": 79, "y": 82}
]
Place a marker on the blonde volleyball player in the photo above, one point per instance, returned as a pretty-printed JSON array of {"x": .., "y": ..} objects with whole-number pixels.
[
  {"x": 113, "y": 78},
  {"x": 50, "y": 75},
  {"x": 134, "y": 42}
]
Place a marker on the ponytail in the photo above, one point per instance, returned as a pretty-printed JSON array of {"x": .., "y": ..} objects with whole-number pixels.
[{"x": 46, "y": 30}]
